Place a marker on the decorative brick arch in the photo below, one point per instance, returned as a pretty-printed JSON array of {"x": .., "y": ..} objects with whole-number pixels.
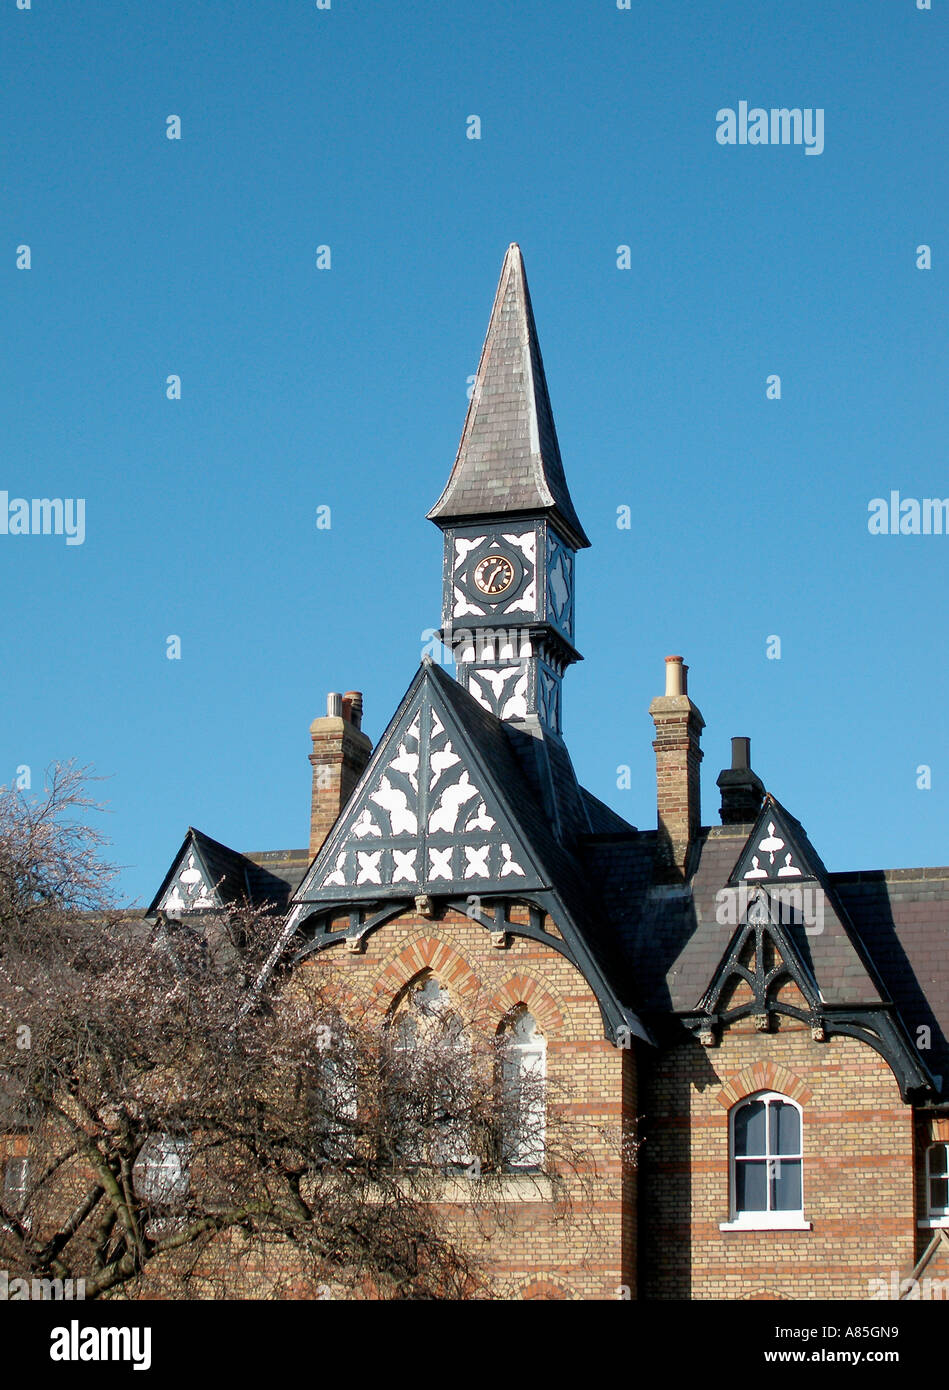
[
  {"x": 543, "y": 1288},
  {"x": 427, "y": 951},
  {"x": 763, "y": 1076},
  {"x": 523, "y": 987}
]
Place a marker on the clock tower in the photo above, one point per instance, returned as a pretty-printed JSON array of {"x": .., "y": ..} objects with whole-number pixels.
[{"x": 511, "y": 532}]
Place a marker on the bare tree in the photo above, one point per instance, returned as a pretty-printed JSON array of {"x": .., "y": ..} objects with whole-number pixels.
[{"x": 164, "y": 1139}]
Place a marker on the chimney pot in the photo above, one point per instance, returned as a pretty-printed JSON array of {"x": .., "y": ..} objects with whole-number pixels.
[
  {"x": 742, "y": 789},
  {"x": 352, "y": 707},
  {"x": 741, "y": 754},
  {"x": 334, "y": 705},
  {"x": 675, "y": 676}
]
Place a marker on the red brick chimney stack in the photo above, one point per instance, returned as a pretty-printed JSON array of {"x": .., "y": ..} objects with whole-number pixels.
[
  {"x": 679, "y": 728},
  {"x": 340, "y": 753}
]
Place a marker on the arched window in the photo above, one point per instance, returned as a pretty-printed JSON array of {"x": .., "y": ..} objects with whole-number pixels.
[
  {"x": 767, "y": 1160},
  {"x": 428, "y": 1082},
  {"x": 523, "y": 1102},
  {"x": 937, "y": 1181}
]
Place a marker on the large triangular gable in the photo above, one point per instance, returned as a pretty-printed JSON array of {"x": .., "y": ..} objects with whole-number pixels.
[
  {"x": 443, "y": 812},
  {"x": 428, "y": 816}
]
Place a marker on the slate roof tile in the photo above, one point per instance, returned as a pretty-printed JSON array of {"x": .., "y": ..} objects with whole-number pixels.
[{"x": 509, "y": 452}]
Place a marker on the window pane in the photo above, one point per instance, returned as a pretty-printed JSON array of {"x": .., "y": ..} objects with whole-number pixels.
[
  {"x": 15, "y": 1182},
  {"x": 938, "y": 1156},
  {"x": 938, "y": 1194},
  {"x": 524, "y": 1113},
  {"x": 749, "y": 1129},
  {"x": 751, "y": 1186},
  {"x": 785, "y": 1128},
  {"x": 162, "y": 1170},
  {"x": 522, "y": 1057},
  {"x": 14, "y": 1177},
  {"x": 786, "y": 1184}
]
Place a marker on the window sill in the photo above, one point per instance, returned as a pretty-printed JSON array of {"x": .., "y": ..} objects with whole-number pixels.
[
  {"x": 934, "y": 1223},
  {"x": 459, "y": 1191},
  {"x": 766, "y": 1223},
  {"x": 506, "y": 1187}
]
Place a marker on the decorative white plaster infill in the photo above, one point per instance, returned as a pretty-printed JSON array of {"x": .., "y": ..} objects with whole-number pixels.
[
  {"x": 503, "y": 692},
  {"x": 188, "y": 891},
  {"x": 769, "y": 854},
  {"x": 424, "y": 820}
]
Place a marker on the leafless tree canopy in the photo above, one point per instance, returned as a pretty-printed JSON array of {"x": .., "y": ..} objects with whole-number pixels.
[{"x": 174, "y": 1144}]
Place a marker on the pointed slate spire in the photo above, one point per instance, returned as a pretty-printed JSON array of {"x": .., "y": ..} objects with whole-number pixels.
[{"x": 509, "y": 459}]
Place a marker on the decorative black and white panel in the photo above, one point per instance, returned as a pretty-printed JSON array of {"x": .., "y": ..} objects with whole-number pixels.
[
  {"x": 491, "y": 575},
  {"x": 523, "y": 601},
  {"x": 189, "y": 889},
  {"x": 380, "y": 841},
  {"x": 559, "y": 571},
  {"x": 512, "y": 688},
  {"x": 425, "y": 821},
  {"x": 548, "y": 696},
  {"x": 770, "y": 854},
  {"x": 504, "y": 690},
  {"x": 463, "y": 603}
]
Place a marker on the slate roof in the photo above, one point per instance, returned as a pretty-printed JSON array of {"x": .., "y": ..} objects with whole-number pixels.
[
  {"x": 275, "y": 875},
  {"x": 902, "y": 916},
  {"x": 693, "y": 941},
  {"x": 603, "y": 820},
  {"x": 227, "y": 868},
  {"x": 885, "y": 937},
  {"x": 509, "y": 459},
  {"x": 670, "y": 936}
]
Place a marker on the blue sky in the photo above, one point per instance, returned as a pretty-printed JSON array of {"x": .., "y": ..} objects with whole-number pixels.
[{"x": 347, "y": 387}]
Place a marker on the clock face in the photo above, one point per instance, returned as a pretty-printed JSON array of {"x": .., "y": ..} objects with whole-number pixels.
[{"x": 493, "y": 575}]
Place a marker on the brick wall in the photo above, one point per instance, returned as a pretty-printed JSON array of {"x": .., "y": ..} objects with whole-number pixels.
[
  {"x": 585, "y": 1247},
  {"x": 858, "y": 1170}
]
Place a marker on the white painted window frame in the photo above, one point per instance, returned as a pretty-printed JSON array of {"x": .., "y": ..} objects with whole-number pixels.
[
  {"x": 934, "y": 1220},
  {"x": 762, "y": 1220}
]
